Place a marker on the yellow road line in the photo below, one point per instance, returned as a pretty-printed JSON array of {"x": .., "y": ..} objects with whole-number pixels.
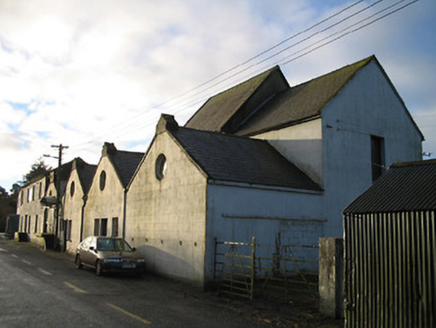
[
  {"x": 134, "y": 316},
  {"x": 77, "y": 289},
  {"x": 45, "y": 272}
]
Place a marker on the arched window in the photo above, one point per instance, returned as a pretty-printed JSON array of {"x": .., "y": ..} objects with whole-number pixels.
[
  {"x": 161, "y": 167},
  {"x": 102, "y": 180},
  {"x": 72, "y": 188}
]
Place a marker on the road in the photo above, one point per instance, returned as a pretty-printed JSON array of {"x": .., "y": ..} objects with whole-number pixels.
[{"x": 44, "y": 289}]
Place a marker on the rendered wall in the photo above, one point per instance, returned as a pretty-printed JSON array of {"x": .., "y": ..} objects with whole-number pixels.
[
  {"x": 166, "y": 218},
  {"x": 237, "y": 213},
  {"x": 366, "y": 106},
  {"x": 73, "y": 204},
  {"x": 29, "y": 205},
  {"x": 104, "y": 204},
  {"x": 301, "y": 144}
]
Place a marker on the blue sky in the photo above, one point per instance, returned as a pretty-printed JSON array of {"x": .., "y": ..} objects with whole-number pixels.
[{"x": 81, "y": 72}]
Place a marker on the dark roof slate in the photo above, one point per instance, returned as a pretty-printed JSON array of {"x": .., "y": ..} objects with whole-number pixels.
[
  {"x": 86, "y": 173},
  {"x": 237, "y": 159},
  {"x": 407, "y": 186},
  {"x": 125, "y": 163},
  {"x": 221, "y": 108},
  {"x": 301, "y": 102}
]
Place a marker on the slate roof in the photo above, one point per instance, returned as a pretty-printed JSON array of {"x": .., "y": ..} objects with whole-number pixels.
[
  {"x": 237, "y": 159},
  {"x": 125, "y": 163},
  {"x": 409, "y": 186},
  {"x": 219, "y": 109},
  {"x": 301, "y": 102},
  {"x": 286, "y": 106},
  {"x": 86, "y": 173}
]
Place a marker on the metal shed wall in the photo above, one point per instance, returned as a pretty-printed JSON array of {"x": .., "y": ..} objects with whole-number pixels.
[{"x": 390, "y": 271}]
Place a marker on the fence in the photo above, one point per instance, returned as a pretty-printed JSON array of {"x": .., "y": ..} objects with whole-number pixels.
[
  {"x": 390, "y": 269},
  {"x": 273, "y": 271}
]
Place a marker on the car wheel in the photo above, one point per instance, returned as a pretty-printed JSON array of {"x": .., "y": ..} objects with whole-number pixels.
[
  {"x": 98, "y": 269},
  {"x": 78, "y": 262}
]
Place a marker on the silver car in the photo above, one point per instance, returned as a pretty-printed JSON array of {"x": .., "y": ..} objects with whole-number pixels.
[{"x": 109, "y": 254}]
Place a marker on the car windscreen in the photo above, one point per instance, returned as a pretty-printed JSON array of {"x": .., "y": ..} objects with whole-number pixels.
[{"x": 113, "y": 245}]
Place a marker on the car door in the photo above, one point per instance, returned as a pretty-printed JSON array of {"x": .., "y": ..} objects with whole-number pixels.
[{"x": 85, "y": 252}]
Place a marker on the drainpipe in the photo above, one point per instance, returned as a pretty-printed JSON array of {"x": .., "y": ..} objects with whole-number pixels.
[
  {"x": 124, "y": 213},
  {"x": 85, "y": 198}
]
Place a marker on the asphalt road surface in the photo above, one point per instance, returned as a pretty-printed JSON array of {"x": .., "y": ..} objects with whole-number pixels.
[{"x": 44, "y": 289}]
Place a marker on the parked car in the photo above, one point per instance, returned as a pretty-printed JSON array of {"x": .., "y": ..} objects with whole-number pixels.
[{"x": 109, "y": 254}]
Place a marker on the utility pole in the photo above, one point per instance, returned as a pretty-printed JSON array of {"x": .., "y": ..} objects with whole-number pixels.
[{"x": 58, "y": 185}]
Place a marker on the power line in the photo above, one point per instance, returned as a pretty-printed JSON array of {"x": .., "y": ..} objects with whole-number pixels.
[{"x": 187, "y": 103}]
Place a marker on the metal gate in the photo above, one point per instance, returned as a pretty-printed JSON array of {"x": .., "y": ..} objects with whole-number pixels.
[{"x": 271, "y": 271}]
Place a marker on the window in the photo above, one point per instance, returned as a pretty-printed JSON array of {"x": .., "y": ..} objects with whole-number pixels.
[
  {"x": 36, "y": 224},
  {"x": 114, "y": 227},
  {"x": 29, "y": 224},
  {"x": 21, "y": 197},
  {"x": 102, "y": 180},
  {"x": 68, "y": 227},
  {"x": 161, "y": 167},
  {"x": 96, "y": 227},
  {"x": 377, "y": 157},
  {"x": 33, "y": 192},
  {"x": 72, "y": 188},
  {"x": 29, "y": 195},
  {"x": 40, "y": 190},
  {"x": 103, "y": 227}
]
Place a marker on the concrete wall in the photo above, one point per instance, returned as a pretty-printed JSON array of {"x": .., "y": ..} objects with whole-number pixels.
[
  {"x": 237, "y": 213},
  {"x": 366, "y": 106},
  {"x": 166, "y": 218},
  {"x": 73, "y": 204},
  {"x": 104, "y": 204}
]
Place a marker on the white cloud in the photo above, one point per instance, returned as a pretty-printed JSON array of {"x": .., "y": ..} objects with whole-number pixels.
[{"x": 94, "y": 71}]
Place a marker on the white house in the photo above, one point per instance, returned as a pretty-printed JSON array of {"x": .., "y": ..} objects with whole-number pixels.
[{"x": 268, "y": 160}]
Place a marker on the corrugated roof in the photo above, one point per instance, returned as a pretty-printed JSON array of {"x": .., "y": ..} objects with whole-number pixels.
[
  {"x": 301, "y": 102},
  {"x": 237, "y": 159},
  {"x": 404, "y": 187},
  {"x": 219, "y": 109}
]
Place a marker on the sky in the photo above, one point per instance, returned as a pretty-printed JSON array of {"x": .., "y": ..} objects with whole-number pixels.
[{"x": 84, "y": 72}]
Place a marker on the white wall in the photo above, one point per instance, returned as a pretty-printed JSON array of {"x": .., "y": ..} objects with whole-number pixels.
[
  {"x": 107, "y": 203},
  {"x": 301, "y": 144},
  {"x": 166, "y": 218},
  {"x": 236, "y": 213},
  {"x": 73, "y": 210},
  {"x": 366, "y": 106}
]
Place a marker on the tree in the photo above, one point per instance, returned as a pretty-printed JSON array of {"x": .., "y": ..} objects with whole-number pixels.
[
  {"x": 38, "y": 168},
  {"x": 8, "y": 205}
]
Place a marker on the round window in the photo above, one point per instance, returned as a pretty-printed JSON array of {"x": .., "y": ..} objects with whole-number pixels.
[
  {"x": 102, "y": 180},
  {"x": 161, "y": 166},
  {"x": 72, "y": 188}
]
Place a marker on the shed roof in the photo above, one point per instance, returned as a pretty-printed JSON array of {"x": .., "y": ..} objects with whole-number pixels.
[
  {"x": 409, "y": 186},
  {"x": 238, "y": 159}
]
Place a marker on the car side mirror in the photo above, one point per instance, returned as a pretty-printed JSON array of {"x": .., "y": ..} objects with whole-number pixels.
[
  {"x": 91, "y": 248},
  {"x": 134, "y": 249}
]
